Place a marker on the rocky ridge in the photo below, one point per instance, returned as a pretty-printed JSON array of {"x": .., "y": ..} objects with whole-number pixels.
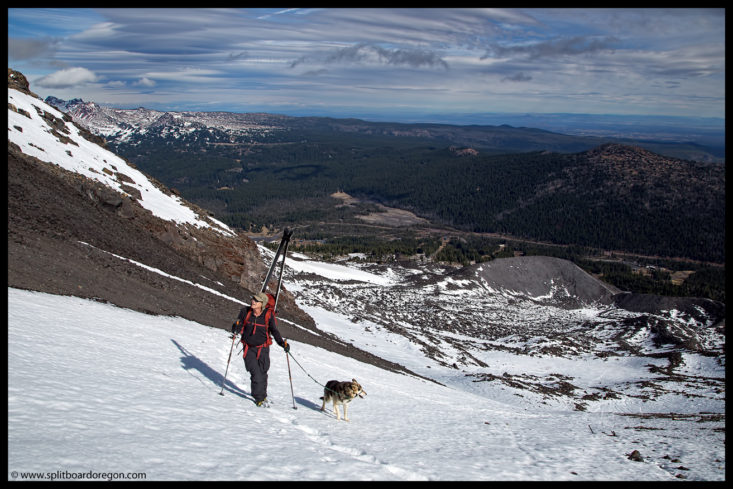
[
  {"x": 127, "y": 125},
  {"x": 130, "y": 126}
]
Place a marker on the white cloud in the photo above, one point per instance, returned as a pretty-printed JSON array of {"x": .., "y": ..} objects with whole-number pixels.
[
  {"x": 145, "y": 82},
  {"x": 66, "y": 78}
]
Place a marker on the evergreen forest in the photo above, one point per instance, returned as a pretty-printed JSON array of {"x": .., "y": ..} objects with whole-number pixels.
[{"x": 613, "y": 198}]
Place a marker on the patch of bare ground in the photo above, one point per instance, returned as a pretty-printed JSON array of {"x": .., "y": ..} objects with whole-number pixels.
[{"x": 387, "y": 216}]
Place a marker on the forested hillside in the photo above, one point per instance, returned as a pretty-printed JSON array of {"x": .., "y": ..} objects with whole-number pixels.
[{"x": 613, "y": 197}]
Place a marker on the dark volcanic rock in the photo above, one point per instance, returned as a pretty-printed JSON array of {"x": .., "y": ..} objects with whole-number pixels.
[
  {"x": 554, "y": 280},
  {"x": 18, "y": 81},
  {"x": 698, "y": 308},
  {"x": 62, "y": 233}
]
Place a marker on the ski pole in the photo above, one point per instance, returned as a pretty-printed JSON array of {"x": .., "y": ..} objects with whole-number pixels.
[
  {"x": 284, "y": 248},
  {"x": 221, "y": 393},
  {"x": 291, "y": 380}
]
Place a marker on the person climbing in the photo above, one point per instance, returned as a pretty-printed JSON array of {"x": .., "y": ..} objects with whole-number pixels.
[{"x": 257, "y": 326}]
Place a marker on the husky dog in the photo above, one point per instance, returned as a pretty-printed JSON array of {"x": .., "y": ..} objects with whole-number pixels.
[{"x": 341, "y": 393}]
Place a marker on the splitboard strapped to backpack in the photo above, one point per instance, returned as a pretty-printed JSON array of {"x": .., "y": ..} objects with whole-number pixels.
[
  {"x": 270, "y": 307},
  {"x": 282, "y": 249}
]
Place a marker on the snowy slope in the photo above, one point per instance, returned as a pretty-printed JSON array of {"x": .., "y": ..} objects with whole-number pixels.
[
  {"x": 94, "y": 389},
  {"x": 62, "y": 144}
]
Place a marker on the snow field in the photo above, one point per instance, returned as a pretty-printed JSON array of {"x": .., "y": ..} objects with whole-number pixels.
[{"x": 95, "y": 387}]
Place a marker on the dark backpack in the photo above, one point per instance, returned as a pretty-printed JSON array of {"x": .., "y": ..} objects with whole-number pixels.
[{"x": 269, "y": 312}]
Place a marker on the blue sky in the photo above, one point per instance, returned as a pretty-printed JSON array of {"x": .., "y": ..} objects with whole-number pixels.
[{"x": 395, "y": 63}]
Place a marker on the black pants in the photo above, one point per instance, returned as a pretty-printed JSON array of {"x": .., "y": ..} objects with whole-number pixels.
[{"x": 257, "y": 369}]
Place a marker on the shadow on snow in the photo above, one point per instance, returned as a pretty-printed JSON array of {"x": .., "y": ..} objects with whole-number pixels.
[{"x": 189, "y": 361}]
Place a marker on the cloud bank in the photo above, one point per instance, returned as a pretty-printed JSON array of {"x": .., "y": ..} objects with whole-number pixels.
[{"x": 603, "y": 61}]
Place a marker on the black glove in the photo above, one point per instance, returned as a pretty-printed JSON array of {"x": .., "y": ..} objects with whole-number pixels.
[
  {"x": 234, "y": 327},
  {"x": 286, "y": 347}
]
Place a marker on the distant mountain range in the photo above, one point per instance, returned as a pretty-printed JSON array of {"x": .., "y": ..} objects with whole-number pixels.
[{"x": 126, "y": 126}]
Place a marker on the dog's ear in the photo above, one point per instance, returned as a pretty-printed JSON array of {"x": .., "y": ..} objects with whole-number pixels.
[{"x": 354, "y": 380}]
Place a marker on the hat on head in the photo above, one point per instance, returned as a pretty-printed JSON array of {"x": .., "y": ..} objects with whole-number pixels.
[{"x": 261, "y": 297}]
